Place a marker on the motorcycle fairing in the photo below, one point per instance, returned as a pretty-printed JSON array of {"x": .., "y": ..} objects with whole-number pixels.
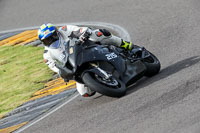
[
  {"x": 82, "y": 54},
  {"x": 130, "y": 72},
  {"x": 134, "y": 71}
]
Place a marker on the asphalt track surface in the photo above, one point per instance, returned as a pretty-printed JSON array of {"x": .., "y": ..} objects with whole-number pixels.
[{"x": 166, "y": 103}]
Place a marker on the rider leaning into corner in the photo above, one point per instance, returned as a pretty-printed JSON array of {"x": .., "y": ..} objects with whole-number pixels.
[{"x": 53, "y": 39}]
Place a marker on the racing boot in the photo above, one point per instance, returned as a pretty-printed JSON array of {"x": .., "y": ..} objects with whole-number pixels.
[
  {"x": 132, "y": 49},
  {"x": 127, "y": 45}
]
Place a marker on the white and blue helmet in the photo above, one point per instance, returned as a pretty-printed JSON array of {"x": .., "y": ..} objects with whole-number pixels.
[{"x": 47, "y": 33}]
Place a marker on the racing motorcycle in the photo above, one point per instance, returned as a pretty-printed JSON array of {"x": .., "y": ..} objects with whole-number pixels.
[{"x": 108, "y": 70}]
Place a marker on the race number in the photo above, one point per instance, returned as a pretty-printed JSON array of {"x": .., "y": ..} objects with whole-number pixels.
[{"x": 111, "y": 56}]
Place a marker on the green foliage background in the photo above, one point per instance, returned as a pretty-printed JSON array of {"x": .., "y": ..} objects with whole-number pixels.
[{"x": 22, "y": 72}]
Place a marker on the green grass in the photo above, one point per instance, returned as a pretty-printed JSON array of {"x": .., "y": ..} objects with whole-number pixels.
[{"x": 22, "y": 72}]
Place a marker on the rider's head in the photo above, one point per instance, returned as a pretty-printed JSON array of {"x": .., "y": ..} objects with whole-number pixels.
[{"x": 47, "y": 33}]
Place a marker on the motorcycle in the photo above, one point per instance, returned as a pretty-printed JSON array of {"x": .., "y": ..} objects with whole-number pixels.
[{"x": 108, "y": 70}]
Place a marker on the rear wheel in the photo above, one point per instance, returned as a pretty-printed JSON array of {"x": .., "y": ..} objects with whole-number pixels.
[
  {"x": 152, "y": 64},
  {"x": 113, "y": 86},
  {"x": 150, "y": 60}
]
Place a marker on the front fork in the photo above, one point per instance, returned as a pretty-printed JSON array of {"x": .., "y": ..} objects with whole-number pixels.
[{"x": 103, "y": 73}]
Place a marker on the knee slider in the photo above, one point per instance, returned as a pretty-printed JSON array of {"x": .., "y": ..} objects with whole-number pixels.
[{"x": 105, "y": 32}]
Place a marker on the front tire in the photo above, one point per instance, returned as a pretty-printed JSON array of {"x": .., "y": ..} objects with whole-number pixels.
[{"x": 108, "y": 89}]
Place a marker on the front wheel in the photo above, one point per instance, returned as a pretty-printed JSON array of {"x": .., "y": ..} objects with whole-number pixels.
[{"x": 113, "y": 87}]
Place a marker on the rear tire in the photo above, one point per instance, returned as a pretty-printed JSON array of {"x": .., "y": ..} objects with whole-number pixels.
[
  {"x": 152, "y": 64},
  {"x": 106, "y": 89}
]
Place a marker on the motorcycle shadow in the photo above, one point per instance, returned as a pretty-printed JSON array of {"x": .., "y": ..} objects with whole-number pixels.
[{"x": 164, "y": 73}]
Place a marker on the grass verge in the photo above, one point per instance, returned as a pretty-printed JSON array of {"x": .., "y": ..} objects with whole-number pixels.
[{"x": 22, "y": 72}]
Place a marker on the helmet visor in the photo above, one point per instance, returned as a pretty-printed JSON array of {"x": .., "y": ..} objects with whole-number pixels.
[
  {"x": 55, "y": 44},
  {"x": 49, "y": 40}
]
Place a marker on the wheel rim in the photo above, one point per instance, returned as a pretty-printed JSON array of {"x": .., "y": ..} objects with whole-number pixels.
[{"x": 109, "y": 82}]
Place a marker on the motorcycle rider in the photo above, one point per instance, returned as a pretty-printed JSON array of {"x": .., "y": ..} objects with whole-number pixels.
[{"x": 54, "y": 40}]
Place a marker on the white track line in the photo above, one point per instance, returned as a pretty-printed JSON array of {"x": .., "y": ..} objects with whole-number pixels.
[{"x": 41, "y": 118}]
